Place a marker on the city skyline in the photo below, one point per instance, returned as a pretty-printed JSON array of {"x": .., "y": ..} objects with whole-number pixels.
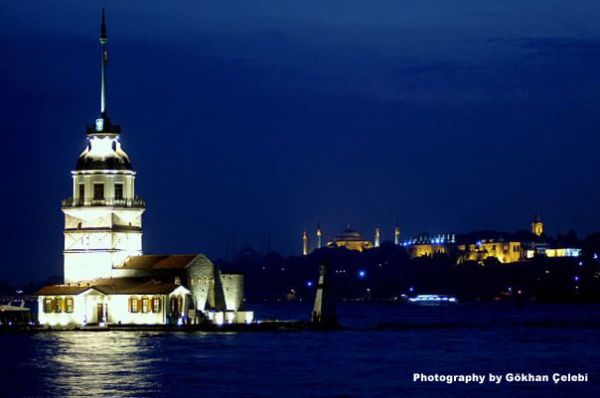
[{"x": 250, "y": 132}]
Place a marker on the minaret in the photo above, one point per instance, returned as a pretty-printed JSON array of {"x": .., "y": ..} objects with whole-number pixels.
[
  {"x": 103, "y": 218},
  {"x": 377, "y": 237},
  {"x": 304, "y": 243},
  {"x": 323, "y": 315},
  {"x": 319, "y": 236},
  {"x": 397, "y": 234},
  {"x": 537, "y": 226}
]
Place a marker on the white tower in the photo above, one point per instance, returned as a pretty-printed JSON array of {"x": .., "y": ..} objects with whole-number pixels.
[
  {"x": 397, "y": 234},
  {"x": 103, "y": 218}
]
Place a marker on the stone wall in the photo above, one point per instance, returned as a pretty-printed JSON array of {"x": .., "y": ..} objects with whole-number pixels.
[
  {"x": 233, "y": 290},
  {"x": 201, "y": 276}
]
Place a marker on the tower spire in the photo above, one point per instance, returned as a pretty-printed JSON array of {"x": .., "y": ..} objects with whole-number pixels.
[
  {"x": 103, "y": 40},
  {"x": 103, "y": 123}
]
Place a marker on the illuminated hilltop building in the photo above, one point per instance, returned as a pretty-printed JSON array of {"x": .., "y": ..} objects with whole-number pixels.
[
  {"x": 506, "y": 249},
  {"x": 505, "y": 252},
  {"x": 351, "y": 240},
  {"x": 511, "y": 251},
  {"x": 107, "y": 278},
  {"x": 428, "y": 245},
  {"x": 537, "y": 226},
  {"x": 539, "y": 247}
]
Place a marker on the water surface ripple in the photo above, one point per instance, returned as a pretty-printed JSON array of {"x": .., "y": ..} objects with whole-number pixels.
[{"x": 375, "y": 356}]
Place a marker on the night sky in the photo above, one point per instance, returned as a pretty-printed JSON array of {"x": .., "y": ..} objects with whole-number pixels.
[{"x": 249, "y": 120}]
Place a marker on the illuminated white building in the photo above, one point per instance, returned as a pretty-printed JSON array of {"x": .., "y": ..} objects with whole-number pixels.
[{"x": 107, "y": 279}]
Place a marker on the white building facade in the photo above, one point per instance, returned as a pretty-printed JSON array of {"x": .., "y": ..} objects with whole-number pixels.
[{"x": 91, "y": 305}]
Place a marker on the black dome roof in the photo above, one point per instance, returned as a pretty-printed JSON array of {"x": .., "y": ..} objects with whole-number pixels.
[{"x": 108, "y": 163}]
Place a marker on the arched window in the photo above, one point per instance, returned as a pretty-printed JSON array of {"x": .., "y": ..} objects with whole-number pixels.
[
  {"x": 156, "y": 304},
  {"x": 145, "y": 305},
  {"x": 69, "y": 305},
  {"x": 133, "y": 304},
  {"x": 58, "y": 305},
  {"x": 48, "y": 305}
]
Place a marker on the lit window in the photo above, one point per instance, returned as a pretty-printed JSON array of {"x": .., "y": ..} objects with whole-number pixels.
[
  {"x": 58, "y": 305},
  {"x": 69, "y": 304},
  {"x": 48, "y": 305},
  {"x": 98, "y": 191},
  {"x": 133, "y": 304},
  {"x": 156, "y": 304},
  {"x": 145, "y": 305}
]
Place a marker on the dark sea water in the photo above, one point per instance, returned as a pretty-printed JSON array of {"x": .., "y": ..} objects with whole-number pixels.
[{"x": 376, "y": 355}]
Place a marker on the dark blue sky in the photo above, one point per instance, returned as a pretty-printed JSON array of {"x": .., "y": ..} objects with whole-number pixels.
[{"x": 255, "y": 118}]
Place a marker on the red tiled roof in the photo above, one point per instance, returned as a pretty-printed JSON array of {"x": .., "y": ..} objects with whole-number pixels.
[
  {"x": 135, "y": 286},
  {"x": 174, "y": 261},
  {"x": 63, "y": 290},
  {"x": 111, "y": 286}
]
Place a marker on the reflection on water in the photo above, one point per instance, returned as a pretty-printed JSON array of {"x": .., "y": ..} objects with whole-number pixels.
[
  {"x": 99, "y": 364},
  {"x": 361, "y": 361}
]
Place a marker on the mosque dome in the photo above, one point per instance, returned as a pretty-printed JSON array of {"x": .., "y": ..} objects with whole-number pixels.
[
  {"x": 351, "y": 240},
  {"x": 349, "y": 235}
]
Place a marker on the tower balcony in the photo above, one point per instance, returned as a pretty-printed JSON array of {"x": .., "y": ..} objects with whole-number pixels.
[{"x": 87, "y": 202}]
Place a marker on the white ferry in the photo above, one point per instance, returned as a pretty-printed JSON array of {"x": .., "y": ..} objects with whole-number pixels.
[{"x": 432, "y": 298}]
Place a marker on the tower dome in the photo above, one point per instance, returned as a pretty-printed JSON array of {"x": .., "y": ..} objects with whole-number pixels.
[{"x": 103, "y": 153}]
